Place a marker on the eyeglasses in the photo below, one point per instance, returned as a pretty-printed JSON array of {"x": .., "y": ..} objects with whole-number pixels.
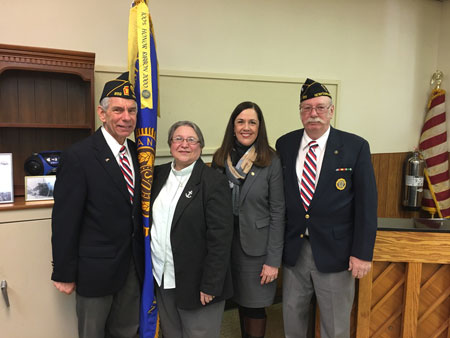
[
  {"x": 190, "y": 140},
  {"x": 320, "y": 109}
]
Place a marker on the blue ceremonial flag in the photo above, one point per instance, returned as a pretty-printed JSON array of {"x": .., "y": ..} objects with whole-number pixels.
[{"x": 143, "y": 70}]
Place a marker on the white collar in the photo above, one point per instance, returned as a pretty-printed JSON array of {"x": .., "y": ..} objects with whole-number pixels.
[
  {"x": 183, "y": 172},
  {"x": 321, "y": 141},
  {"x": 112, "y": 142}
]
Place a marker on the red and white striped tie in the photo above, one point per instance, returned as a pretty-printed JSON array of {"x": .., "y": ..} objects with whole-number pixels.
[
  {"x": 308, "y": 183},
  {"x": 125, "y": 167}
]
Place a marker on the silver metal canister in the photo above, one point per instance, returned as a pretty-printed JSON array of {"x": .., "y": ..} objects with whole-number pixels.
[{"x": 413, "y": 184}]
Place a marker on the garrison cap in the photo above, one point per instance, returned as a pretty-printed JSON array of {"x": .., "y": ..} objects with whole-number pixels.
[
  {"x": 312, "y": 89},
  {"x": 119, "y": 87}
]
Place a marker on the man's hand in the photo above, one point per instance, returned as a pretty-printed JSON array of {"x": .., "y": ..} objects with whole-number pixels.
[
  {"x": 358, "y": 267},
  {"x": 66, "y": 288},
  {"x": 205, "y": 299}
]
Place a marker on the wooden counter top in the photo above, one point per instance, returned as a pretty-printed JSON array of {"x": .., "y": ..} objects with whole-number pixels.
[
  {"x": 20, "y": 203},
  {"x": 414, "y": 224}
]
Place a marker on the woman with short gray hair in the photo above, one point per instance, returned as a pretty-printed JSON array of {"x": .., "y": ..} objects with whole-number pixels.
[{"x": 191, "y": 232}]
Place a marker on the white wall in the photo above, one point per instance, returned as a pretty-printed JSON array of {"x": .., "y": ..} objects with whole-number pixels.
[
  {"x": 444, "y": 55},
  {"x": 444, "y": 47},
  {"x": 383, "y": 52},
  {"x": 99, "y": 26}
]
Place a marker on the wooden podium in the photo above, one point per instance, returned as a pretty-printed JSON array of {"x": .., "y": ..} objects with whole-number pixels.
[{"x": 407, "y": 293}]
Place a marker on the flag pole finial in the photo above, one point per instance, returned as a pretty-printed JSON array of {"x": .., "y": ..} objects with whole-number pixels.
[{"x": 436, "y": 79}]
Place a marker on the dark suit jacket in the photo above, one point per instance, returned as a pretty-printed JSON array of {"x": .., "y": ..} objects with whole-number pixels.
[
  {"x": 95, "y": 229},
  {"x": 201, "y": 234},
  {"x": 341, "y": 223}
]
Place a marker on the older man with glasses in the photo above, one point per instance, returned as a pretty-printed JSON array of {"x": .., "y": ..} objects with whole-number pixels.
[{"x": 331, "y": 209}]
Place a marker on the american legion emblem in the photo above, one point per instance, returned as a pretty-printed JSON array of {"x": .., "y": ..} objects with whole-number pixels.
[{"x": 341, "y": 184}]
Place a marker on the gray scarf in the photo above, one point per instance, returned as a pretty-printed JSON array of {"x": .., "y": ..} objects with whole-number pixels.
[{"x": 237, "y": 173}]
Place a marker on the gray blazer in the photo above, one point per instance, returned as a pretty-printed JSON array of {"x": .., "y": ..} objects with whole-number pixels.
[{"x": 262, "y": 213}]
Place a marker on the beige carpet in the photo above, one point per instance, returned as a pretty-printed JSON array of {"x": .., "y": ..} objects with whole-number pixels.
[{"x": 231, "y": 329}]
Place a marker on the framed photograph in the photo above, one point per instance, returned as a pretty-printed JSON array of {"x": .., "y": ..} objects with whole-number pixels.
[
  {"x": 6, "y": 183},
  {"x": 39, "y": 188}
]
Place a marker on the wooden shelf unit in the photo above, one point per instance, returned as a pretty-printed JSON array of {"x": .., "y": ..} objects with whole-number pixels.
[{"x": 46, "y": 102}]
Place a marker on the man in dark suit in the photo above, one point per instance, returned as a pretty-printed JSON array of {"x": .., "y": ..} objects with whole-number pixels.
[
  {"x": 331, "y": 209},
  {"x": 97, "y": 235}
]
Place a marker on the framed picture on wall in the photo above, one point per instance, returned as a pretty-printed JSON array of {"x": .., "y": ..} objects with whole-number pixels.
[
  {"x": 6, "y": 183},
  {"x": 39, "y": 188}
]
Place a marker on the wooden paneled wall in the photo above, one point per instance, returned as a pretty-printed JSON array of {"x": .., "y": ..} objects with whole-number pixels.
[{"x": 388, "y": 169}]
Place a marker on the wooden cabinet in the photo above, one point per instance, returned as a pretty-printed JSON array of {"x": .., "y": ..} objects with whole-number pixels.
[
  {"x": 46, "y": 102},
  {"x": 37, "y": 309}
]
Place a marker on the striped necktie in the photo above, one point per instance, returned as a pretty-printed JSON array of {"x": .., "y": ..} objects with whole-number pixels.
[
  {"x": 308, "y": 184},
  {"x": 125, "y": 167}
]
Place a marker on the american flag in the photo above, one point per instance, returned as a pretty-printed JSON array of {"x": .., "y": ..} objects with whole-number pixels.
[{"x": 434, "y": 148}]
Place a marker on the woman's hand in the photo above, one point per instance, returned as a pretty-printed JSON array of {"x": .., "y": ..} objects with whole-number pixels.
[
  {"x": 205, "y": 299},
  {"x": 268, "y": 274}
]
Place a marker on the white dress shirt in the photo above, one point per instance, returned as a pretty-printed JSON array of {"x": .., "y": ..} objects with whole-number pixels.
[
  {"x": 319, "y": 150},
  {"x": 115, "y": 148},
  {"x": 163, "y": 210}
]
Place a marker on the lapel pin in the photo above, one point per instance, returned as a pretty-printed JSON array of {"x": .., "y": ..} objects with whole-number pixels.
[
  {"x": 107, "y": 159},
  {"x": 252, "y": 173},
  {"x": 336, "y": 152},
  {"x": 188, "y": 194}
]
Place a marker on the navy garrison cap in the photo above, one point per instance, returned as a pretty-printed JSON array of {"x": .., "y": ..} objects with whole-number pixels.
[
  {"x": 119, "y": 87},
  {"x": 313, "y": 89}
]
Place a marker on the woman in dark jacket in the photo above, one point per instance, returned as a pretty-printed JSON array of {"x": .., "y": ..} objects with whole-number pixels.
[
  {"x": 254, "y": 173},
  {"x": 191, "y": 233}
]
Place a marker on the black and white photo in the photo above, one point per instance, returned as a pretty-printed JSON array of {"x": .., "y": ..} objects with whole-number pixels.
[
  {"x": 6, "y": 183},
  {"x": 39, "y": 188}
]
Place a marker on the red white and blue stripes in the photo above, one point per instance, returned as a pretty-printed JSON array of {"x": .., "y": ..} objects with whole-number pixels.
[
  {"x": 434, "y": 148},
  {"x": 125, "y": 167},
  {"x": 308, "y": 183}
]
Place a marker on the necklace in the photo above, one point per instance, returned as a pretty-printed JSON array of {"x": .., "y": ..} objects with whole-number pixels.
[{"x": 181, "y": 179}]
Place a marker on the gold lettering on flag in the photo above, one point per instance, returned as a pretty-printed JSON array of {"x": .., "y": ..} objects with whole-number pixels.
[{"x": 145, "y": 68}]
